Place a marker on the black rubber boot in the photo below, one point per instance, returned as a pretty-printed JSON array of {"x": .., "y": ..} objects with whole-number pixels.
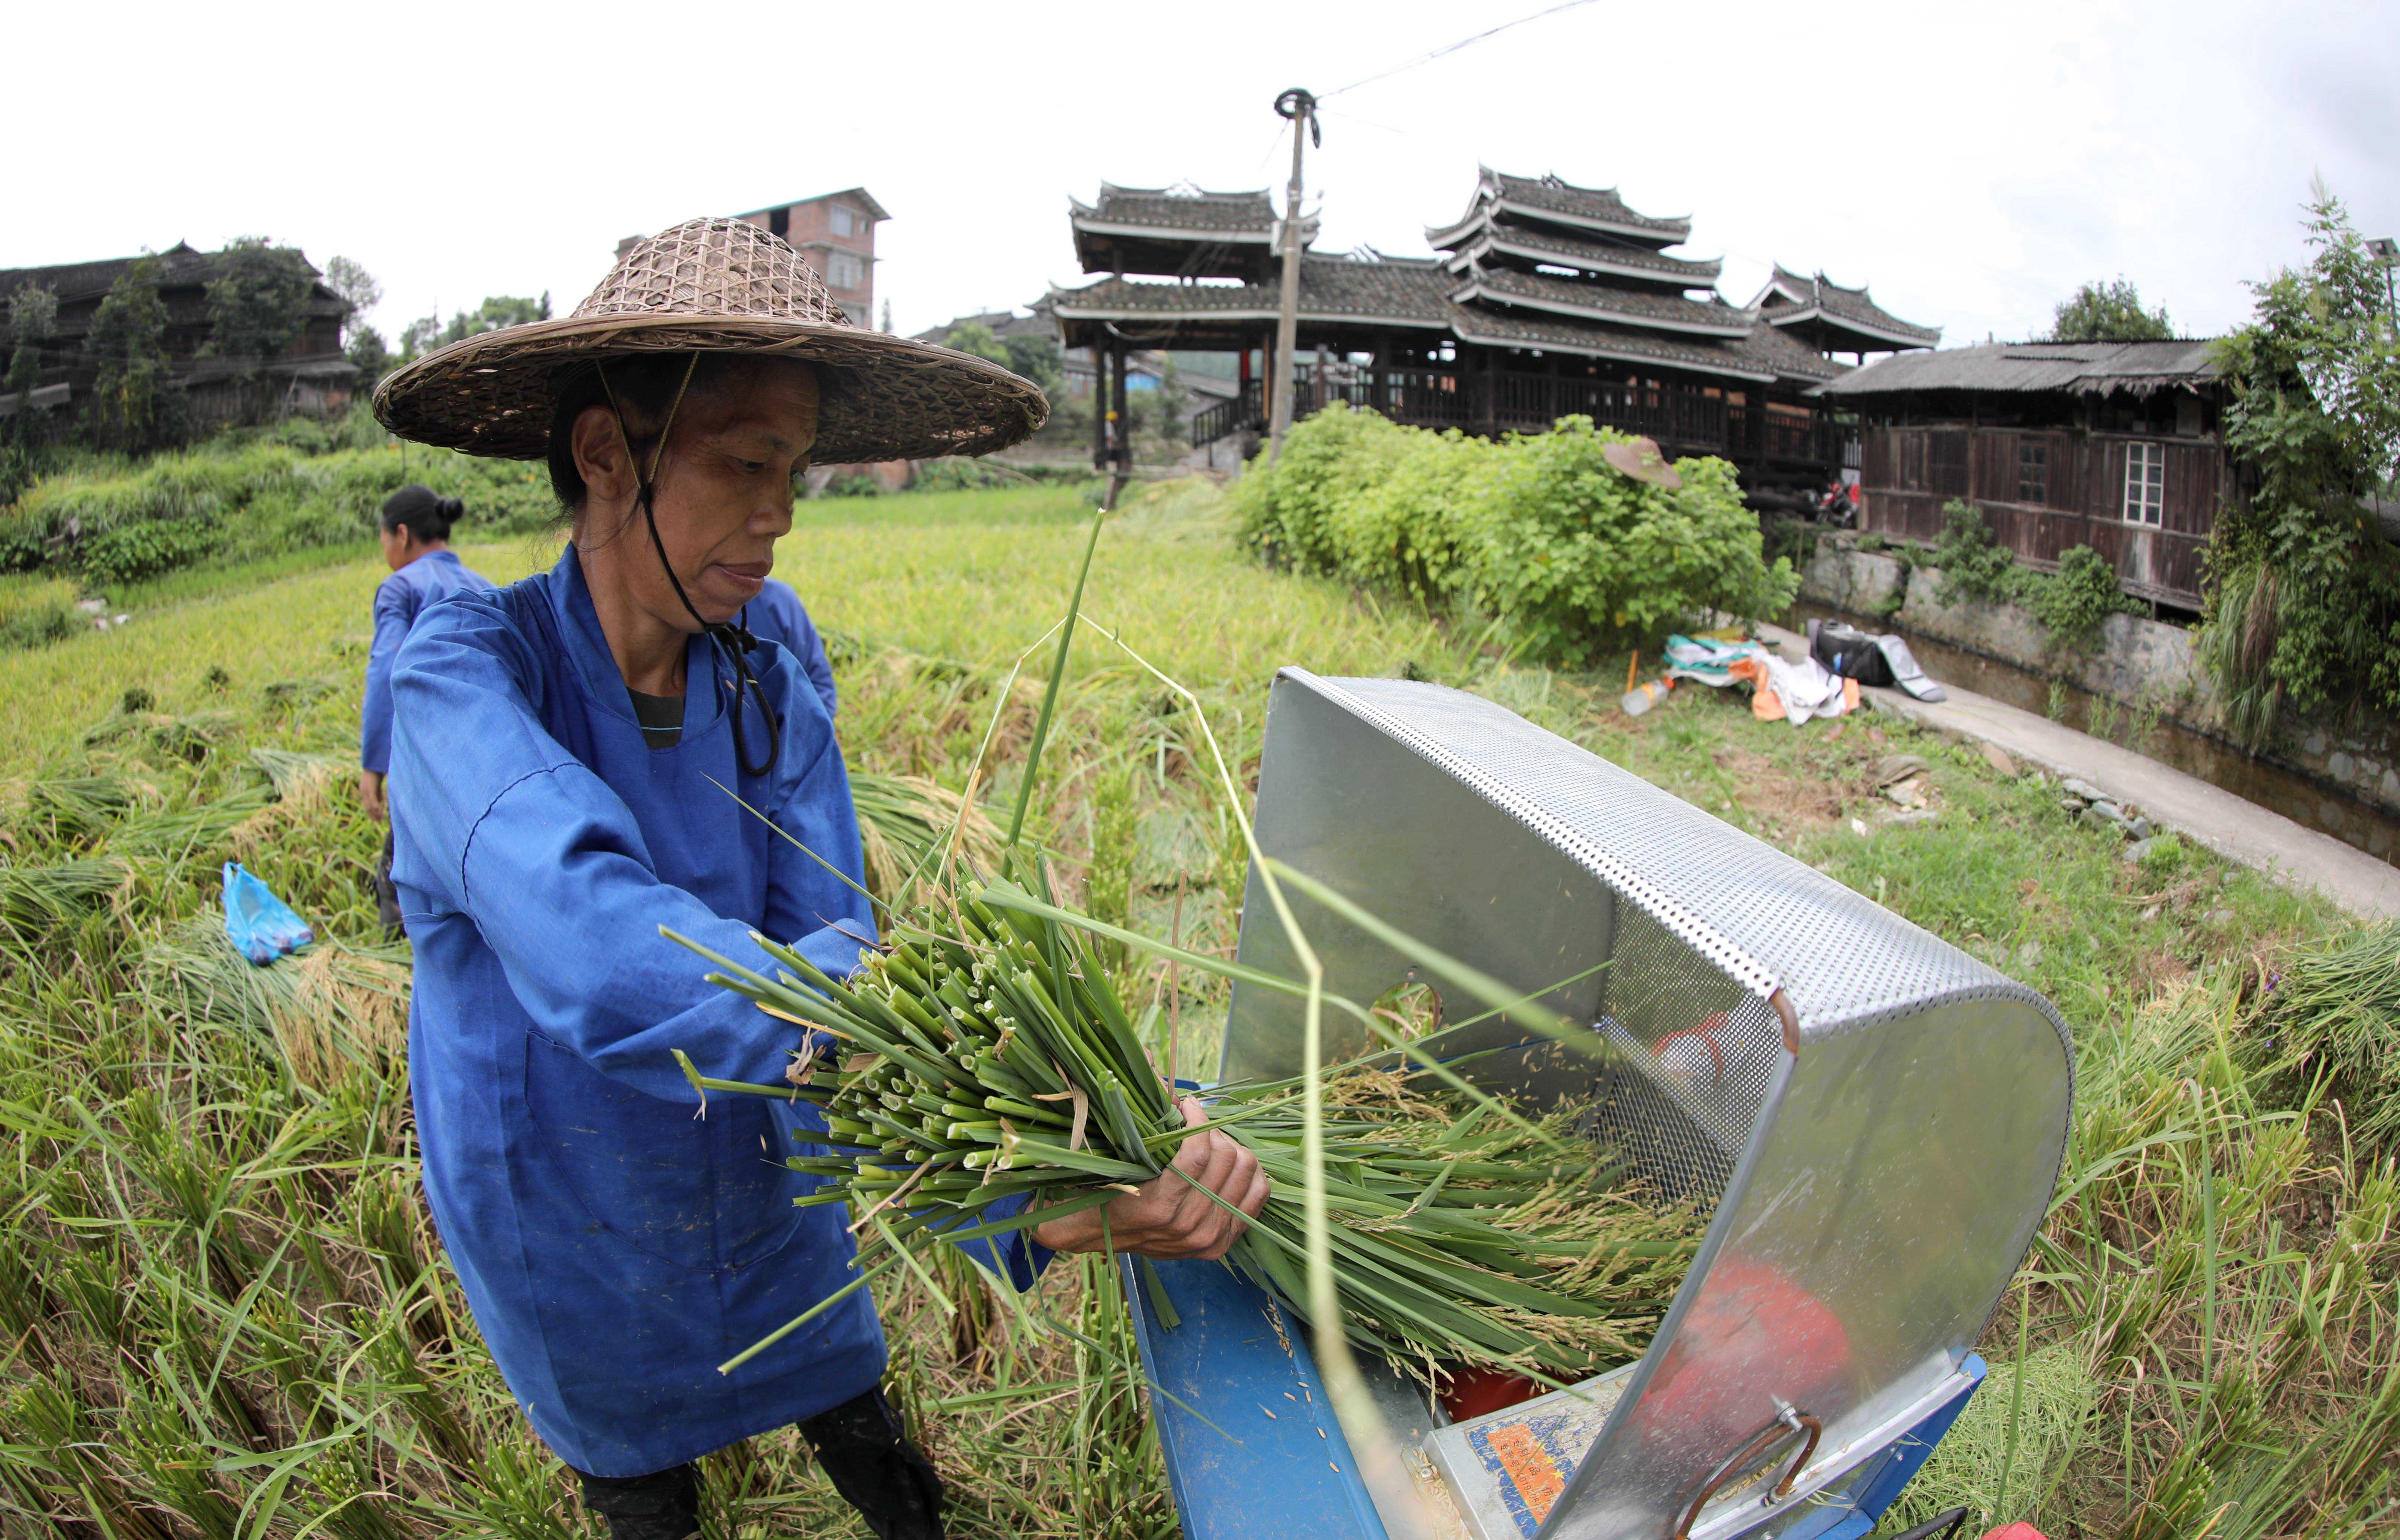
[
  {"x": 662, "y": 1506},
  {"x": 888, "y": 1479}
]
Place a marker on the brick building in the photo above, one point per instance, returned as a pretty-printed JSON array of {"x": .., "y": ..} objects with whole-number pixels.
[{"x": 836, "y": 232}]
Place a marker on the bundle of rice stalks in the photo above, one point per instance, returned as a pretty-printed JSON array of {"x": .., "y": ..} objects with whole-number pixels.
[
  {"x": 34, "y": 897},
  {"x": 905, "y": 821},
  {"x": 990, "y": 1057},
  {"x": 2337, "y": 1006},
  {"x": 302, "y": 780},
  {"x": 325, "y": 1006},
  {"x": 72, "y": 810}
]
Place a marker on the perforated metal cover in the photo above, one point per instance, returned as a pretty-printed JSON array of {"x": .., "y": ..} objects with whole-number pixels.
[{"x": 1871, "y": 1193}]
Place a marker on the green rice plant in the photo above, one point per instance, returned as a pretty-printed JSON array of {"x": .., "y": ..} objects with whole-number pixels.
[
  {"x": 35, "y": 611},
  {"x": 2335, "y": 1009},
  {"x": 906, "y": 822},
  {"x": 1997, "y": 1476},
  {"x": 996, "y": 1060},
  {"x": 36, "y": 897}
]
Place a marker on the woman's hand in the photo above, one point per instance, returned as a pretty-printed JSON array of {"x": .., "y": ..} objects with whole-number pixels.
[
  {"x": 1170, "y": 1217},
  {"x": 370, "y": 796}
]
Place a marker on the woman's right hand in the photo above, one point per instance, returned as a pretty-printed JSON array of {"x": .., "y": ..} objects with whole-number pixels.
[{"x": 370, "y": 796}]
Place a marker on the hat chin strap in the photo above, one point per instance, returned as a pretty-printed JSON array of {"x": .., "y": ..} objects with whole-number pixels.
[{"x": 730, "y": 637}]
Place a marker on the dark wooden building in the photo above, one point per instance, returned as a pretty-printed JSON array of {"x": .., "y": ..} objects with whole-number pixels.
[
  {"x": 313, "y": 376},
  {"x": 1541, "y": 300},
  {"x": 2112, "y": 446}
]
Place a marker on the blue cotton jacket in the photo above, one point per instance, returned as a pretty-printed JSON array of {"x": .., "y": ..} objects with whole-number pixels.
[
  {"x": 614, "y": 1243},
  {"x": 398, "y": 600},
  {"x": 777, "y": 615}
]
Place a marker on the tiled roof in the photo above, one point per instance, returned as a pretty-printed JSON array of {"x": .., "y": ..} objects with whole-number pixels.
[
  {"x": 1561, "y": 334},
  {"x": 1218, "y": 214},
  {"x": 179, "y": 264},
  {"x": 1789, "y": 299},
  {"x": 1552, "y": 196},
  {"x": 1552, "y": 200},
  {"x": 1602, "y": 302},
  {"x": 1483, "y": 232},
  {"x": 1401, "y": 290},
  {"x": 179, "y": 267},
  {"x": 1791, "y": 358},
  {"x": 2078, "y": 368}
]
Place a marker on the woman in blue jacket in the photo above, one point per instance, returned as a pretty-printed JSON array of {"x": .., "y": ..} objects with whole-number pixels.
[
  {"x": 567, "y": 753},
  {"x": 416, "y": 533}
]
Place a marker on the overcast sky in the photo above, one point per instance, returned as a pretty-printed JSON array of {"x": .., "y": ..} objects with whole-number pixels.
[{"x": 1974, "y": 165}]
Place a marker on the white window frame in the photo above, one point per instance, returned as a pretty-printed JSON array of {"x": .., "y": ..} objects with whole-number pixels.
[
  {"x": 846, "y": 270},
  {"x": 2146, "y": 485},
  {"x": 844, "y": 219}
]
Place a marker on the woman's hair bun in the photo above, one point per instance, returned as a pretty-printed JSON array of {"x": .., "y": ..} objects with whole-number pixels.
[{"x": 418, "y": 508}]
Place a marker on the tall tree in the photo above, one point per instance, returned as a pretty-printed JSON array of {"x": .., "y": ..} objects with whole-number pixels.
[
  {"x": 258, "y": 302},
  {"x": 130, "y": 404},
  {"x": 2304, "y": 610},
  {"x": 2106, "y": 311},
  {"x": 32, "y": 317},
  {"x": 359, "y": 291}
]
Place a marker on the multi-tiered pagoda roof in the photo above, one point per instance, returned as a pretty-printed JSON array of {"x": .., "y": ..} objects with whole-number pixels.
[
  {"x": 1834, "y": 319},
  {"x": 1539, "y": 278},
  {"x": 1177, "y": 232}
]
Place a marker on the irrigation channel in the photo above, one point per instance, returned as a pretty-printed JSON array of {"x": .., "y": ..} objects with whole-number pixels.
[{"x": 2308, "y": 803}]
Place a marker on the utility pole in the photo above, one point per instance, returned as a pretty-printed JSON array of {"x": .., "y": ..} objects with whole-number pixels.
[
  {"x": 1301, "y": 108},
  {"x": 2387, "y": 252}
]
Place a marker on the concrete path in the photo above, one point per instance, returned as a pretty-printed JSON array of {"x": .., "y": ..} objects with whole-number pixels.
[{"x": 2235, "y": 828}]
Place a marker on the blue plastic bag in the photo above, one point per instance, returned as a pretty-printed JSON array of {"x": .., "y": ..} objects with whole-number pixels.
[{"x": 261, "y": 926}]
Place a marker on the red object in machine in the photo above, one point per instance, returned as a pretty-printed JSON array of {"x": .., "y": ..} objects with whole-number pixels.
[
  {"x": 1753, "y": 1339},
  {"x": 1473, "y": 1392}
]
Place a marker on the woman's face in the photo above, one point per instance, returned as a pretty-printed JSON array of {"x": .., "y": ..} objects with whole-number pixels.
[{"x": 723, "y": 493}]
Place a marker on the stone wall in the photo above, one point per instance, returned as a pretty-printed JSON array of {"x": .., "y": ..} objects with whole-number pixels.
[{"x": 2138, "y": 663}]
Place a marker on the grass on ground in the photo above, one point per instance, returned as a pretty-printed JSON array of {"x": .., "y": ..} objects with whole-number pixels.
[{"x": 226, "y": 1309}]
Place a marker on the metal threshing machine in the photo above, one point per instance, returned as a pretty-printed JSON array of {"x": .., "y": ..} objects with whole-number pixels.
[{"x": 1874, "y": 1120}]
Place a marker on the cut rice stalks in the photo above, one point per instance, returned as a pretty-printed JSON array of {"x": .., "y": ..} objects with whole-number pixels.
[{"x": 989, "y": 1077}]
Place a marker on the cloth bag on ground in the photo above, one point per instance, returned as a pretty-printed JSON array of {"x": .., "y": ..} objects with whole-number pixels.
[
  {"x": 261, "y": 926},
  {"x": 1868, "y": 658}
]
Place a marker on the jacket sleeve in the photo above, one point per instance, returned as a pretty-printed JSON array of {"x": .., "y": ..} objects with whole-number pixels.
[
  {"x": 810, "y": 649},
  {"x": 391, "y": 618},
  {"x": 549, "y": 865}
]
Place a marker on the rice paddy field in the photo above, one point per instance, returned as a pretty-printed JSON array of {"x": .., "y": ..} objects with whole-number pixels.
[{"x": 225, "y": 1314}]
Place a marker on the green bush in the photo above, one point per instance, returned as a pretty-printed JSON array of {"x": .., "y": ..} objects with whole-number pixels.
[
  {"x": 852, "y": 485},
  {"x": 1539, "y": 531},
  {"x": 238, "y": 501},
  {"x": 1973, "y": 565},
  {"x": 2071, "y": 604},
  {"x": 38, "y": 611},
  {"x": 1286, "y": 512}
]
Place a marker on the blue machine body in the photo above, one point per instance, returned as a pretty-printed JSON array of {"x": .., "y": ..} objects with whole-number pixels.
[{"x": 1254, "y": 1451}]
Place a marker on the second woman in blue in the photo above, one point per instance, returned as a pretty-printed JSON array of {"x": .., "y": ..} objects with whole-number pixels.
[
  {"x": 568, "y": 753},
  {"x": 415, "y": 529}
]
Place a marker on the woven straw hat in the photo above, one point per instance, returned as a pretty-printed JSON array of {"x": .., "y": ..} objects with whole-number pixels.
[{"x": 716, "y": 285}]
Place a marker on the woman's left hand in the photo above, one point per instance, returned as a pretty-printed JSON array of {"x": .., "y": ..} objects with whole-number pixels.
[
  {"x": 370, "y": 795},
  {"x": 1172, "y": 1215}
]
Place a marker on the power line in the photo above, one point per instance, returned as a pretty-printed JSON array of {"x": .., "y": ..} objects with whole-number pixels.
[{"x": 1453, "y": 47}]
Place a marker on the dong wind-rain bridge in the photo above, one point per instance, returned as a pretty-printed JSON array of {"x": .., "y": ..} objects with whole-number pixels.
[{"x": 1543, "y": 299}]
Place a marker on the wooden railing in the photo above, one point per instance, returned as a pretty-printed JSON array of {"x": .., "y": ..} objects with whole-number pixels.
[
  {"x": 1684, "y": 419},
  {"x": 1241, "y": 410}
]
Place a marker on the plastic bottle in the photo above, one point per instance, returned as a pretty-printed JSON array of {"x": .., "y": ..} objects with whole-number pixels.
[{"x": 1643, "y": 697}]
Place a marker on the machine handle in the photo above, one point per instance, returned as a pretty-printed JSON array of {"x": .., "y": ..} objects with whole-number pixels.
[{"x": 1765, "y": 1438}]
